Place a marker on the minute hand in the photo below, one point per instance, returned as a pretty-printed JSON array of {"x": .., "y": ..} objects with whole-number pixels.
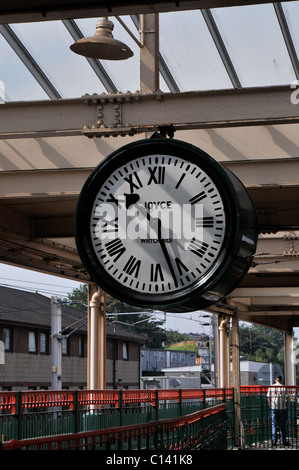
[
  {"x": 165, "y": 252},
  {"x": 152, "y": 221}
]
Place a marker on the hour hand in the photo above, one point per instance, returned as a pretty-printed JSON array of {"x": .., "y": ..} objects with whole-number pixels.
[{"x": 131, "y": 199}]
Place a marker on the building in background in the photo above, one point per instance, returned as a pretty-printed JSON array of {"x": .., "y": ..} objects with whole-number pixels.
[
  {"x": 25, "y": 337},
  {"x": 155, "y": 359}
]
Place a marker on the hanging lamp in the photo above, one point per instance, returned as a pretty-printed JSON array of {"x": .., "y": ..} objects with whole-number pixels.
[{"x": 102, "y": 44}]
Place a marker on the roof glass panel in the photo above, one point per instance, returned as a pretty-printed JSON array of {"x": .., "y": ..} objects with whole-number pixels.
[
  {"x": 124, "y": 73},
  {"x": 17, "y": 83},
  {"x": 49, "y": 44},
  {"x": 291, "y": 11},
  {"x": 251, "y": 35},
  {"x": 190, "y": 52},
  {"x": 254, "y": 41}
]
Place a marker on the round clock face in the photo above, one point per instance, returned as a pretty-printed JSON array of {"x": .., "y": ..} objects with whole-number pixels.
[{"x": 155, "y": 223}]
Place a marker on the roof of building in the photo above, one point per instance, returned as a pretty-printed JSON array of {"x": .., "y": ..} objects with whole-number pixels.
[{"x": 29, "y": 308}]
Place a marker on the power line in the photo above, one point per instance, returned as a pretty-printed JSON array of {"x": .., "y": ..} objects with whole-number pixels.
[
  {"x": 153, "y": 314},
  {"x": 65, "y": 292},
  {"x": 33, "y": 282}
]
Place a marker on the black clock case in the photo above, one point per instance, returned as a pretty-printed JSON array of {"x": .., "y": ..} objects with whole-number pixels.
[{"x": 237, "y": 250}]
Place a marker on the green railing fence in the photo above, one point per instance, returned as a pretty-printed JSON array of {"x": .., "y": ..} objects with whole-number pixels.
[
  {"x": 204, "y": 429},
  {"x": 31, "y": 414},
  {"x": 256, "y": 417},
  {"x": 36, "y": 414}
]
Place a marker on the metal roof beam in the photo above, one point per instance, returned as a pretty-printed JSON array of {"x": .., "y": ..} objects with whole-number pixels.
[
  {"x": 287, "y": 37},
  {"x": 96, "y": 65},
  {"x": 17, "y": 11},
  {"x": 29, "y": 62},
  {"x": 142, "y": 112},
  {"x": 163, "y": 67},
  {"x": 217, "y": 38}
]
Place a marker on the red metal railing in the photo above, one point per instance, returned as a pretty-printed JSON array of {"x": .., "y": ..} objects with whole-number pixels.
[
  {"x": 54, "y": 398},
  {"x": 98, "y": 397},
  {"x": 103, "y": 437},
  {"x": 258, "y": 389},
  {"x": 8, "y": 401},
  {"x": 38, "y": 399},
  {"x": 65, "y": 398},
  {"x": 30, "y": 414}
]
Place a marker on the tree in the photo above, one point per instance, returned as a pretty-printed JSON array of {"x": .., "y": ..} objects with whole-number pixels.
[
  {"x": 132, "y": 317},
  {"x": 174, "y": 336},
  {"x": 79, "y": 296},
  {"x": 145, "y": 324},
  {"x": 258, "y": 343}
]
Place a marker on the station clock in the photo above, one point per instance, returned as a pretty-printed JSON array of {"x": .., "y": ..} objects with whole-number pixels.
[{"x": 160, "y": 224}]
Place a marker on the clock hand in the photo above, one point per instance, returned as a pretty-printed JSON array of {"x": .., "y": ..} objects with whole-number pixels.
[
  {"x": 165, "y": 252},
  {"x": 131, "y": 199},
  {"x": 152, "y": 221}
]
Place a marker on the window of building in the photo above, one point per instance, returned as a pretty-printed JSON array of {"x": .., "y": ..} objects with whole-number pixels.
[
  {"x": 161, "y": 356},
  {"x": 43, "y": 343},
  {"x": 32, "y": 342},
  {"x": 173, "y": 356},
  {"x": 125, "y": 352},
  {"x": 2, "y": 353},
  {"x": 64, "y": 346},
  {"x": 7, "y": 339},
  {"x": 182, "y": 357},
  {"x": 81, "y": 346}
]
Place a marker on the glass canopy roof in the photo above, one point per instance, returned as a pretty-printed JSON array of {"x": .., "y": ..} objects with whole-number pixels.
[{"x": 246, "y": 46}]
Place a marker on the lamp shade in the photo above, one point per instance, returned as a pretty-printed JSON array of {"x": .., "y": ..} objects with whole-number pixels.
[{"x": 102, "y": 44}]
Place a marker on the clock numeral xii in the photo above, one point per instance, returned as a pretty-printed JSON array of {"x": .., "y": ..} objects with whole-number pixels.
[{"x": 157, "y": 175}]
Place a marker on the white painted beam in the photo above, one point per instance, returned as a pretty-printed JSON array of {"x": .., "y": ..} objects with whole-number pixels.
[
  {"x": 42, "y": 183},
  {"x": 129, "y": 114},
  {"x": 265, "y": 292}
]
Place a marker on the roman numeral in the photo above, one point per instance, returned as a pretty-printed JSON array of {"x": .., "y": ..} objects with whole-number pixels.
[
  {"x": 199, "y": 248},
  {"x": 132, "y": 266},
  {"x": 180, "y": 180},
  {"x": 199, "y": 197},
  {"x": 134, "y": 181},
  {"x": 156, "y": 272},
  {"x": 112, "y": 199},
  {"x": 157, "y": 175},
  {"x": 207, "y": 222},
  {"x": 115, "y": 248},
  {"x": 180, "y": 265}
]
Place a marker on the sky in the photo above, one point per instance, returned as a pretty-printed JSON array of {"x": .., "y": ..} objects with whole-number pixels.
[
  {"x": 32, "y": 281},
  {"x": 250, "y": 33}
]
